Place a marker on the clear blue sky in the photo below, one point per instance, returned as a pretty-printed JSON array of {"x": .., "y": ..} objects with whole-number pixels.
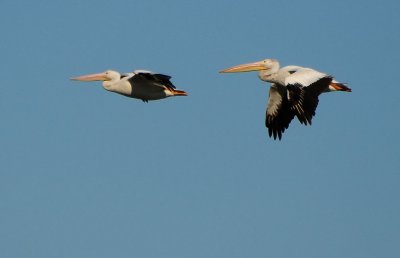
[{"x": 86, "y": 173}]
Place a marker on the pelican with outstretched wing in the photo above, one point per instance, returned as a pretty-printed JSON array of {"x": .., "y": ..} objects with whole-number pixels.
[{"x": 294, "y": 92}]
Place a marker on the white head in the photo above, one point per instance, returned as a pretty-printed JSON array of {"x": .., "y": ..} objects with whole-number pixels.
[
  {"x": 267, "y": 68},
  {"x": 108, "y": 77}
]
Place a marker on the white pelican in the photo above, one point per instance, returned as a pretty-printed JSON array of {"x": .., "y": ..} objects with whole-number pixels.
[
  {"x": 294, "y": 92},
  {"x": 139, "y": 84}
]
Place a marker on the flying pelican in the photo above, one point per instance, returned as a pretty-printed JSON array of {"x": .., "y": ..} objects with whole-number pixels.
[
  {"x": 139, "y": 84},
  {"x": 294, "y": 92}
]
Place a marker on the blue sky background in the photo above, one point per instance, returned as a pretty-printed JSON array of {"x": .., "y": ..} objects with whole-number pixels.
[{"x": 86, "y": 173}]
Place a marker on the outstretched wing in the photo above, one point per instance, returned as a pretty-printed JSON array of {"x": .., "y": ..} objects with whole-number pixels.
[
  {"x": 279, "y": 113},
  {"x": 304, "y": 85}
]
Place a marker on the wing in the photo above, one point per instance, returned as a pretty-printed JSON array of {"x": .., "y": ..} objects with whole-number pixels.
[
  {"x": 304, "y": 85},
  {"x": 279, "y": 113},
  {"x": 152, "y": 79},
  {"x": 148, "y": 86}
]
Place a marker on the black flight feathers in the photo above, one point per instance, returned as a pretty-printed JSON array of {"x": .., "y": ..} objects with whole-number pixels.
[
  {"x": 278, "y": 122},
  {"x": 156, "y": 78},
  {"x": 299, "y": 101},
  {"x": 304, "y": 100}
]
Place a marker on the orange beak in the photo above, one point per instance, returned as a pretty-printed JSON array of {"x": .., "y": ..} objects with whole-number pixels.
[
  {"x": 91, "y": 77},
  {"x": 256, "y": 66}
]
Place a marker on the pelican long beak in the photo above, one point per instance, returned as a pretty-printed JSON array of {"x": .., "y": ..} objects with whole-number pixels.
[
  {"x": 256, "y": 66},
  {"x": 91, "y": 77}
]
